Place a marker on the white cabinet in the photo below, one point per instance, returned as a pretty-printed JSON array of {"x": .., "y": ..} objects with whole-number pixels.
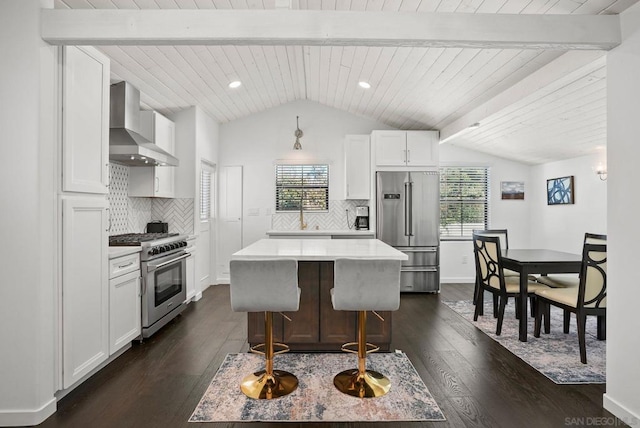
[
  {"x": 357, "y": 164},
  {"x": 406, "y": 148},
  {"x": 155, "y": 181},
  {"x": 124, "y": 301},
  {"x": 85, "y": 292},
  {"x": 85, "y": 120}
]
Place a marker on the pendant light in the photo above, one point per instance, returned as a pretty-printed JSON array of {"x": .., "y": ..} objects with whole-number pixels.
[{"x": 298, "y": 134}]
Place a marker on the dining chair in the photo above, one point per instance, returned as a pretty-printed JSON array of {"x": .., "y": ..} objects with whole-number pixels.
[
  {"x": 490, "y": 277},
  {"x": 266, "y": 286},
  {"x": 503, "y": 235},
  {"x": 569, "y": 280},
  {"x": 589, "y": 298},
  {"x": 364, "y": 285}
]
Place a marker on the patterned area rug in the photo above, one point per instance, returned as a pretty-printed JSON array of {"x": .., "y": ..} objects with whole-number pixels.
[
  {"x": 316, "y": 399},
  {"x": 556, "y": 355}
]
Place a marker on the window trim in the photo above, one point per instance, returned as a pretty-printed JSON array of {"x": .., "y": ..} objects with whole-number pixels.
[{"x": 466, "y": 234}]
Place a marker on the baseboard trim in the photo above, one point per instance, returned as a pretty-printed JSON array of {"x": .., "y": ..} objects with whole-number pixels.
[
  {"x": 28, "y": 417},
  {"x": 620, "y": 411},
  {"x": 461, "y": 280}
]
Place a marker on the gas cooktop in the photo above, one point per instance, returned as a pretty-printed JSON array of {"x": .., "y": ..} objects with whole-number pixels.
[{"x": 132, "y": 239}]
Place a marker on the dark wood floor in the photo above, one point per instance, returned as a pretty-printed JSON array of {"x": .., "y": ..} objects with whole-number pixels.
[{"x": 476, "y": 382}]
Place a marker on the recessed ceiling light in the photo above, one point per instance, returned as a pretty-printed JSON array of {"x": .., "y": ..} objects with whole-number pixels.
[
  {"x": 235, "y": 84},
  {"x": 364, "y": 84}
]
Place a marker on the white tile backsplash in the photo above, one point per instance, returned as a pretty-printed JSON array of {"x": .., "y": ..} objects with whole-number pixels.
[
  {"x": 131, "y": 215},
  {"x": 334, "y": 219}
]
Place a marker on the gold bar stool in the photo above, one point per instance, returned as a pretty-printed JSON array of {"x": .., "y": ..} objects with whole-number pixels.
[
  {"x": 364, "y": 285},
  {"x": 266, "y": 286}
]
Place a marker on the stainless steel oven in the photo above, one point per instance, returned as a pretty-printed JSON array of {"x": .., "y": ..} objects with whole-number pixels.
[
  {"x": 164, "y": 290},
  {"x": 163, "y": 265}
]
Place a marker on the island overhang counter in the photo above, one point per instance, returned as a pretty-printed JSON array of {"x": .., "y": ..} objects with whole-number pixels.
[{"x": 316, "y": 326}]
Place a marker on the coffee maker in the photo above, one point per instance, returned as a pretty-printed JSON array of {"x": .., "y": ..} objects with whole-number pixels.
[{"x": 362, "y": 217}]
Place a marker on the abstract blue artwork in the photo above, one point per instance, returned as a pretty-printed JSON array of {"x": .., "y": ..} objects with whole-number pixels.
[{"x": 560, "y": 191}]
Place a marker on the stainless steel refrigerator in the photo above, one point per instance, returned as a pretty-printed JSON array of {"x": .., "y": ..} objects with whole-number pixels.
[{"x": 408, "y": 218}]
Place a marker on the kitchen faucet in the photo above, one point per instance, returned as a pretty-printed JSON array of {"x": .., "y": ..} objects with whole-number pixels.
[{"x": 303, "y": 225}]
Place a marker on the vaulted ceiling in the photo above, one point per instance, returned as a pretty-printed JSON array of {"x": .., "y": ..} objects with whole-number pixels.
[{"x": 533, "y": 105}]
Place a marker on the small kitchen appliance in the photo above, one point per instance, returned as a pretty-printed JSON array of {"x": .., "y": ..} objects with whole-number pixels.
[
  {"x": 157, "y": 227},
  {"x": 362, "y": 217}
]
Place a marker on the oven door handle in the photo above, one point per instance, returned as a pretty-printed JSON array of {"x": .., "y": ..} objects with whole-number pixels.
[{"x": 152, "y": 267}]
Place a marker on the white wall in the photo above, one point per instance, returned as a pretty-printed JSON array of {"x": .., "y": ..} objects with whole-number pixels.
[
  {"x": 258, "y": 141},
  {"x": 28, "y": 217},
  {"x": 562, "y": 227},
  {"x": 197, "y": 139},
  {"x": 623, "y": 151},
  {"x": 456, "y": 257}
]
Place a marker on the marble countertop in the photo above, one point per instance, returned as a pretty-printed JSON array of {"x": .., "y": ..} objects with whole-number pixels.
[
  {"x": 321, "y": 232},
  {"x": 122, "y": 251},
  {"x": 319, "y": 249}
]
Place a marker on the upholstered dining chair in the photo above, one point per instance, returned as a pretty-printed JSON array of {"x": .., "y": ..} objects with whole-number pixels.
[
  {"x": 364, "y": 285},
  {"x": 490, "y": 277},
  {"x": 503, "y": 234},
  {"x": 589, "y": 298},
  {"x": 565, "y": 281},
  {"x": 266, "y": 286}
]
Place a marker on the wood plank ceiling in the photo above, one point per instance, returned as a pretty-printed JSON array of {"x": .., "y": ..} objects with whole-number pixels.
[{"x": 411, "y": 88}]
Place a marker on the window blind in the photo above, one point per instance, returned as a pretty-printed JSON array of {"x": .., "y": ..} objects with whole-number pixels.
[
  {"x": 464, "y": 201},
  {"x": 205, "y": 194},
  {"x": 306, "y": 184}
]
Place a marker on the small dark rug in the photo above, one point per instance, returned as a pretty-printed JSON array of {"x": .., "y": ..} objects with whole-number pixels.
[
  {"x": 555, "y": 355},
  {"x": 316, "y": 399}
]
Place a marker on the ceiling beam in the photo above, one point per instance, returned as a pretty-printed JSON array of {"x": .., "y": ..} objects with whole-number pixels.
[
  {"x": 538, "y": 84},
  {"x": 328, "y": 28}
]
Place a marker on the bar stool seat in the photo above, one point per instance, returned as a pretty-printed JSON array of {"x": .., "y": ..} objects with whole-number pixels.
[
  {"x": 364, "y": 285},
  {"x": 266, "y": 286}
]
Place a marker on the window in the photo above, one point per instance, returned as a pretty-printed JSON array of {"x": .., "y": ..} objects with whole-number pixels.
[
  {"x": 308, "y": 184},
  {"x": 464, "y": 201},
  {"x": 206, "y": 189}
]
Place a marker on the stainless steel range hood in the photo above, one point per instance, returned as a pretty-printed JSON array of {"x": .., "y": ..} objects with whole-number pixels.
[{"x": 126, "y": 145}]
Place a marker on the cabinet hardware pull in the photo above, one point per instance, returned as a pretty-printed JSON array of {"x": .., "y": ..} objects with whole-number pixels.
[{"x": 125, "y": 265}]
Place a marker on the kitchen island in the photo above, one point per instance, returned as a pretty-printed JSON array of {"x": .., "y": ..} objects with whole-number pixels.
[{"x": 316, "y": 326}]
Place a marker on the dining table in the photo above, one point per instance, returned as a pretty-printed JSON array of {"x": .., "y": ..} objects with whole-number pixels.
[{"x": 537, "y": 261}]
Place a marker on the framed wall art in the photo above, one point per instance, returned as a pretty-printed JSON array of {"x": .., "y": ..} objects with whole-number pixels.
[
  {"x": 560, "y": 191},
  {"x": 512, "y": 189}
]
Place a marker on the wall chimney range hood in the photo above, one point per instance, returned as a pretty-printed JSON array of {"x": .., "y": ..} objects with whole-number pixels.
[{"x": 126, "y": 145}]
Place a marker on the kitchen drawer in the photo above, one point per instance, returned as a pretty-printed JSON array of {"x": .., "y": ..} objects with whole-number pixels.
[
  {"x": 420, "y": 256},
  {"x": 422, "y": 279},
  {"x": 122, "y": 265}
]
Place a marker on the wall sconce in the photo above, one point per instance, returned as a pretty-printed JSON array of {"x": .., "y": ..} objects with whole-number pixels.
[
  {"x": 601, "y": 170},
  {"x": 298, "y": 134}
]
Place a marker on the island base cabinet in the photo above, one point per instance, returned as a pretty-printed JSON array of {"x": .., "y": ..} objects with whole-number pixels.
[{"x": 316, "y": 326}]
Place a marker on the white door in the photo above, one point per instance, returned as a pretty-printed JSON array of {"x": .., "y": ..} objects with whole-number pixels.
[
  {"x": 230, "y": 219},
  {"x": 205, "y": 236}
]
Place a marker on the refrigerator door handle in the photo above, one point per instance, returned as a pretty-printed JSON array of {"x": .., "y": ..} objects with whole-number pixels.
[
  {"x": 410, "y": 211},
  {"x": 407, "y": 209},
  {"x": 417, "y": 249},
  {"x": 418, "y": 269}
]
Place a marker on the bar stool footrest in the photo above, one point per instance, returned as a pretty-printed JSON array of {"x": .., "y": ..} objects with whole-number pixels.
[
  {"x": 370, "y": 347},
  {"x": 255, "y": 349}
]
